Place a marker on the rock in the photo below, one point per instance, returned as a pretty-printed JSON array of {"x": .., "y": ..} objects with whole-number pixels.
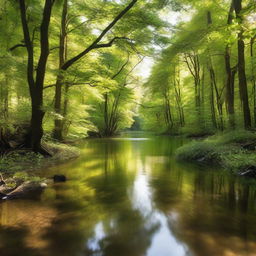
[
  {"x": 2, "y": 195},
  {"x": 249, "y": 172},
  {"x": 59, "y": 178},
  {"x": 28, "y": 189}
]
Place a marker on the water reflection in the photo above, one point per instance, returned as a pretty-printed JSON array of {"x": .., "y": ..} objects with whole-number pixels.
[{"x": 130, "y": 197}]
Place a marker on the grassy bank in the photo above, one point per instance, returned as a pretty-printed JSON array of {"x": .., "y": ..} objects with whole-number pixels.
[
  {"x": 24, "y": 160},
  {"x": 229, "y": 150}
]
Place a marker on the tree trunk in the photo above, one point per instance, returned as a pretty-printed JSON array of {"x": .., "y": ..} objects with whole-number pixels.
[
  {"x": 230, "y": 82},
  {"x": 193, "y": 64},
  {"x": 253, "y": 78},
  {"x": 106, "y": 118},
  {"x": 212, "y": 78},
  {"x": 58, "y": 122},
  {"x": 36, "y": 122},
  {"x": 177, "y": 89},
  {"x": 241, "y": 67},
  {"x": 36, "y": 84}
]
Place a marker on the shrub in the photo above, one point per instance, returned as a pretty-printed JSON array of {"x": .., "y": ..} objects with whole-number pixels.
[
  {"x": 198, "y": 151},
  {"x": 222, "y": 149},
  {"x": 237, "y": 136}
]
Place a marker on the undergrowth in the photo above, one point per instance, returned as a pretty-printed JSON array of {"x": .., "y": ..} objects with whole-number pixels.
[{"x": 221, "y": 149}]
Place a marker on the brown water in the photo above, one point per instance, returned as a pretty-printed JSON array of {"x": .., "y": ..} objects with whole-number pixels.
[{"x": 129, "y": 197}]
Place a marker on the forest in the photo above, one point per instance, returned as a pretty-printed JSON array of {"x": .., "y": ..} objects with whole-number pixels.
[
  {"x": 127, "y": 127},
  {"x": 69, "y": 69}
]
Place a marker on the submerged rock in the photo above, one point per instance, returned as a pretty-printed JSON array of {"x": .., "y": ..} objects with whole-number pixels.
[
  {"x": 249, "y": 172},
  {"x": 59, "y": 178}
]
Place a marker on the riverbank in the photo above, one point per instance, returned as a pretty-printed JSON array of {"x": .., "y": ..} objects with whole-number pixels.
[
  {"x": 27, "y": 161},
  {"x": 234, "y": 151},
  {"x": 18, "y": 176}
]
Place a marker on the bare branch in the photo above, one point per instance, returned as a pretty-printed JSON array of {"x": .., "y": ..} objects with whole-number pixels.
[
  {"x": 16, "y": 46},
  {"x": 95, "y": 44},
  {"x": 122, "y": 67}
]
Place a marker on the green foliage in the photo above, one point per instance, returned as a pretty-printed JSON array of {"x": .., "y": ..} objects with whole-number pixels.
[
  {"x": 224, "y": 150},
  {"x": 86, "y": 82},
  {"x": 199, "y": 151},
  {"x": 237, "y": 136},
  {"x": 194, "y": 64},
  {"x": 16, "y": 161}
]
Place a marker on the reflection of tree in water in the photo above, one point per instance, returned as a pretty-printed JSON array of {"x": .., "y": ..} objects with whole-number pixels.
[
  {"x": 22, "y": 224},
  {"x": 101, "y": 199},
  {"x": 13, "y": 242},
  {"x": 126, "y": 234},
  {"x": 215, "y": 211}
]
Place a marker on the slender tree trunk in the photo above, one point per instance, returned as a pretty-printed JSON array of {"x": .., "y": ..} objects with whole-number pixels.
[
  {"x": 230, "y": 84},
  {"x": 212, "y": 104},
  {"x": 241, "y": 66},
  {"x": 193, "y": 64},
  {"x": 58, "y": 122},
  {"x": 66, "y": 123},
  {"x": 230, "y": 80},
  {"x": 212, "y": 78},
  {"x": 168, "y": 113},
  {"x": 176, "y": 82},
  {"x": 203, "y": 96},
  {"x": 253, "y": 78},
  {"x": 106, "y": 118}
]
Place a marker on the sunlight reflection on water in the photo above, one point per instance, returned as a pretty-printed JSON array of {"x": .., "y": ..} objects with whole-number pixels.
[{"x": 129, "y": 197}]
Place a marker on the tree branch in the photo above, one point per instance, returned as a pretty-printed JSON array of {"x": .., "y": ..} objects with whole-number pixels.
[
  {"x": 95, "y": 44},
  {"x": 16, "y": 46},
  {"x": 70, "y": 84},
  {"x": 122, "y": 67},
  {"x": 28, "y": 43},
  {"x": 110, "y": 43}
]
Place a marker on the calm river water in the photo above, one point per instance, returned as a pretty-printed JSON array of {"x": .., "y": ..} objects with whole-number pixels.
[{"x": 129, "y": 197}]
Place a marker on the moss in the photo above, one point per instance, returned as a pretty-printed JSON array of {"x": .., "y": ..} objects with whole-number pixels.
[
  {"x": 197, "y": 151},
  {"x": 222, "y": 149},
  {"x": 61, "y": 152},
  {"x": 24, "y": 160}
]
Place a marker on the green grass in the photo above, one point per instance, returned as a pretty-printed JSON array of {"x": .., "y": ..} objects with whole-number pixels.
[{"x": 221, "y": 149}]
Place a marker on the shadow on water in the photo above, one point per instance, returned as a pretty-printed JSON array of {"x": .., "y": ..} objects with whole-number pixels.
[{"x": 128, "y": 196}]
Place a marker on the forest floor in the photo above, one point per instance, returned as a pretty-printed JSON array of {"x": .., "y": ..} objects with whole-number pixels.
[
  {"x": 234, "y": 151},
  {"x": 24, "y": 160}
]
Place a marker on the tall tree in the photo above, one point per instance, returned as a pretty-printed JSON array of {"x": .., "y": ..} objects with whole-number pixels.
[
  {"x": 241, "y": 65},
  {"x": 67, "y": 64},
  {"x": 36, "y": 78},
  {"x": 230, "y": 73}
]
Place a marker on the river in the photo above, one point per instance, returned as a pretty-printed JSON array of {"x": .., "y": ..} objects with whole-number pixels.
[{"x": 128, "y": 196}]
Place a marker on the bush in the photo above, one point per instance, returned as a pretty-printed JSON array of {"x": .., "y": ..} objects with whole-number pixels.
[
  {"x": 198, "y": 151},
  {"x": 238, "y": 161},
  {"x": 224, "y": 150},
  {"x": 238, "y": 136}
]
